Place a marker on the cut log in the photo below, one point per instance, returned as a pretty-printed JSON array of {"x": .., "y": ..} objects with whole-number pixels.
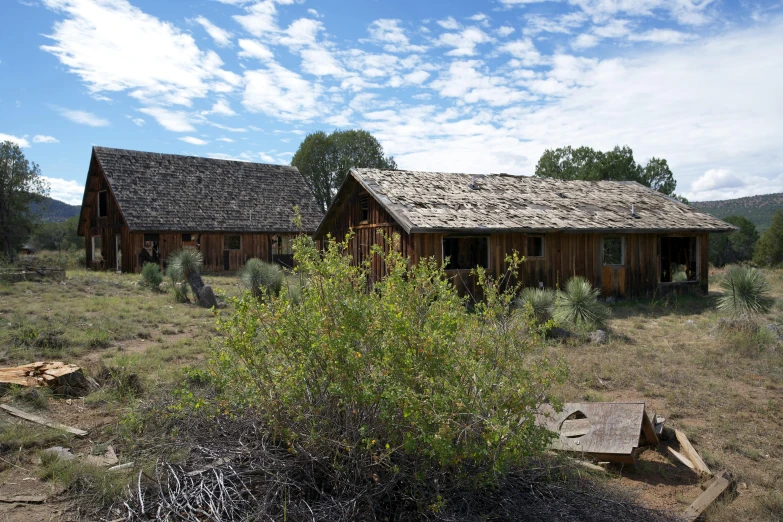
[
  {"x": 690, "y": 452},
  {"x": 24, "y": 499},
  {"x": 63, "y": 379},
  {"x": 717, "y": 488},
  {"x": 42, "y": 420},
  {"x": 682, "y": 458}
]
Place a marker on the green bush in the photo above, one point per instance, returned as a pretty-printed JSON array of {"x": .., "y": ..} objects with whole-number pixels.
[
  {"x": 403, "y": 368},
  {"x": 180, "y": 265},
  {"x": 746, "y": 292},
  {"x": 151, "y": 275},
  {"x": 261, "y": 278},
  {"x": 540, "y": 300},
  {"x": 578, "y": 305}
]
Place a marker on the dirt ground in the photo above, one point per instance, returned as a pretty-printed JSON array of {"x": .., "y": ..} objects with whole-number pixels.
[{"x": 723, "y": 389}]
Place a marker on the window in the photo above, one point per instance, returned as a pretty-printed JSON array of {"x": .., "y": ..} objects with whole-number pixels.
[
  {"x": 464, "y": 253},
  {"x": 679, "y": 259},
  {"x": 364, "y": 208},
  {"x": 535, "y": 246},
  {"x": 614, "y": 251},
  {"x": 102, "y": 204},
  {"x": 96, "y": 248},
  {"x": 232, "y": 242},
  {"x": 283, "y": 245}
]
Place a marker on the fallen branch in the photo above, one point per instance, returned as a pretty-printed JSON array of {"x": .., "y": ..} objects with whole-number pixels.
[{"x": 42, "y": 420}]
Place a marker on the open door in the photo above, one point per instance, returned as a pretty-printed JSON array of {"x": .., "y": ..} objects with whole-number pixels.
[{"x": 118, "y": 252}]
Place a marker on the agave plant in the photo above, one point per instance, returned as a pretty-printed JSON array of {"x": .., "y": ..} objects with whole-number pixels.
[
  {"x": 579, "y": 306},
  {"x": 260, "y": 277},
  {"x": 186, "y": 261},
  {"x": 746, "y": 292},
  {"x": 541, "y": 301}
]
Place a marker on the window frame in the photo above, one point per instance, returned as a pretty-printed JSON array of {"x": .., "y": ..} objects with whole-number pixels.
[
  {"x": 364, "y": 208},
  {"x": 103, "y": 194},
  {"x": 225, "y": 242},
  {"x": 443, "y": 251},
  {"x": 622, "y": 251},
  {"x": 543, "y": 246}
]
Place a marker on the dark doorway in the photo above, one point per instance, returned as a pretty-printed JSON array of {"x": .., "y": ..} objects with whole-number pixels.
[
  {"x": 679, "y": 259},
  {"x": 465, "y": 253}
]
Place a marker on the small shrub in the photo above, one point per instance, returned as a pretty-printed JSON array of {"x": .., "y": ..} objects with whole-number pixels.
[
  {"x": 579, "y": 306},
  {"x": 746, "y": 292},
  {"x": 151, "y": 275},
  {"x": 541, "y": 301},
  {"x": 261, "y": 278}
]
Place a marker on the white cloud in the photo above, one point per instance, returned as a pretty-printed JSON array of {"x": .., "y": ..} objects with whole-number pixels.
[
  {"x": 692, "y": 12},
  {"x": 320, "y": 62},
  {"x": 66, "y": 190},
  {"x": 466, "y": 81},
  {"x": 563, "y": 23},
  {"x": 722, "y": 183},
  {"x": 175, "y": 121},
  {"x": 193, "y": 141},
  {"x": 585, "y": 41},
  {"x": 282, "y": 93},
  {"x": 504, "y": 30},
  {"x": 464, "y": 42},
  {"x": 221, "y": 37},
  {"x": 449, "y": 23},
  {"x": 42, "y": 138},
  {"x": 260, "y": 20},
  {"x": 221, "y": 107},
  {"x": 524, "y": 50},
  {"x": 717, "y": 179},
  {"x": 417, "y": 77},
  {"x": 22, "y": 142},
  {"x": 255, "y": 49},
  {"x": 225, "y": 140},
  {"x": 391, "y": 36},
  {"x": 113, "y": 46},
  {"x": 662, "y": 36},
  {"x": 83, "y": 117}
]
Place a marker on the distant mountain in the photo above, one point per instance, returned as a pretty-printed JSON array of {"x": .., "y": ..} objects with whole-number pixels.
[
  {"x": 54, "y": 210},
  {"x": 758, "y": 209}
]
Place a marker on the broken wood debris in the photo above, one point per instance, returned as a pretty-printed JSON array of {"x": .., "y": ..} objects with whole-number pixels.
[
  {"x": 611, "y": 431},
  {"x": 63, "y": 379},
  {"x": 691, "y": 454},
  {"x": 42, "y": 420},
  {"x": 23, "y": 499},
  {"x": 716, "y": 487}
]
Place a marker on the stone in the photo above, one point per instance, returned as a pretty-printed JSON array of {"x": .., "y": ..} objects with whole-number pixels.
[
  {"x": 689, "y": 322},
  {"x": 108, "y": 458},
  {"x": 163, "y": 287},
  {"x": 598, "y": 337},
  {"x": 206, "y": 297},
  {"x": 62, "y": 453}
]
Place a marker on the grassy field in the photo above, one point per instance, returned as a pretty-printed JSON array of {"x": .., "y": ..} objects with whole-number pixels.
[{"x": 724, "y": 388}]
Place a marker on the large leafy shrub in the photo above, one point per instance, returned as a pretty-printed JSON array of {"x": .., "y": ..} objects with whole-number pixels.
[
  {"x": 746, "y": 292},
  {"x": 578, "y": 305},
  {"x": 260, "y": 277},
  {"x": 151, "y": 275},
  {"x": 402, "y": 368}
]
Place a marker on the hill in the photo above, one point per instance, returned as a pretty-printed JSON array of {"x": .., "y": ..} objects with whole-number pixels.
[
  {"x": 758, "y": 209},
  {"x": 54, "y": 210}
]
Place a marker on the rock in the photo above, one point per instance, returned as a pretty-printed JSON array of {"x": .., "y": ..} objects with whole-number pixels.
[
  {"x": 108, "y": 458},
  {"x": 598, "y": 337},
  {"x": 163, "y": 287},
  {"x": 62, "y": 453},
  {"x": 206, "y": 297},
  {"x": 689, "y": 322}
]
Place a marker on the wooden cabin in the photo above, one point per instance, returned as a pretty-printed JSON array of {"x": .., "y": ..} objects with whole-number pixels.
[
  {"x": 139, "y": 207},
  {"x": 627, "y": 239}
]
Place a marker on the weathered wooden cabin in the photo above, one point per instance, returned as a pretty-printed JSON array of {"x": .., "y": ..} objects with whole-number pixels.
[
  {"x": 628, "y": 240},
  {"x": 138, "y": 207}
]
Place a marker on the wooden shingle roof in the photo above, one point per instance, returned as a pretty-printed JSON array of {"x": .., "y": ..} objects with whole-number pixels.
[
  {"x": 438, "y": 201},
  {"x": 168, "y": 192}
]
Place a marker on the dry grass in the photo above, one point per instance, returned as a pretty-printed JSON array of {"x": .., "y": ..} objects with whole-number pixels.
[{"x": 722, "y": 387}]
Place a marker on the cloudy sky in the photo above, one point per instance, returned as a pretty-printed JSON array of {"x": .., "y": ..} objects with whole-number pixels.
[{"x": 480, "y": 87}]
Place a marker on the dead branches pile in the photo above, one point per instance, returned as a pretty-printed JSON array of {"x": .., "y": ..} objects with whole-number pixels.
[{"x": 235, "y": 471}]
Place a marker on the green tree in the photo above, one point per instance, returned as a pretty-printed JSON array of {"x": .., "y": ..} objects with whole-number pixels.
[
  {"x": 734, "y": 246},
  {"x": 21, "y": 183},
  {"x": 57, "y": 235},
  {"x": 769, "y": 249},
  {"x": 618, "y": 164},
  {"x": 325, "y": 159}
]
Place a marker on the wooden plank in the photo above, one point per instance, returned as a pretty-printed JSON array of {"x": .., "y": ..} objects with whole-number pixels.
[
  {"x": 42, "y": 420},
  {"x": 690, "y": 452},
  {"x": 704, "y": 501},
  {"x": 649, "y": 430},
  {"x": 682, "y": 458}
]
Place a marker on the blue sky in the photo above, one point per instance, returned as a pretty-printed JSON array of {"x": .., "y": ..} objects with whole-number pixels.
[{"x": 452, "y": 86}]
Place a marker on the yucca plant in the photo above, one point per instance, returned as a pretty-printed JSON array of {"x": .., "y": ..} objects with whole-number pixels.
[
  {"x": 579, "y": 306},
  {"x": 541, "y": 301},
  {"x": 180, "y": 265},
  {"x": 746, "y": 292},
  {"x": 151, "y": 275},
  {"x": 260, "y": 277}
]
